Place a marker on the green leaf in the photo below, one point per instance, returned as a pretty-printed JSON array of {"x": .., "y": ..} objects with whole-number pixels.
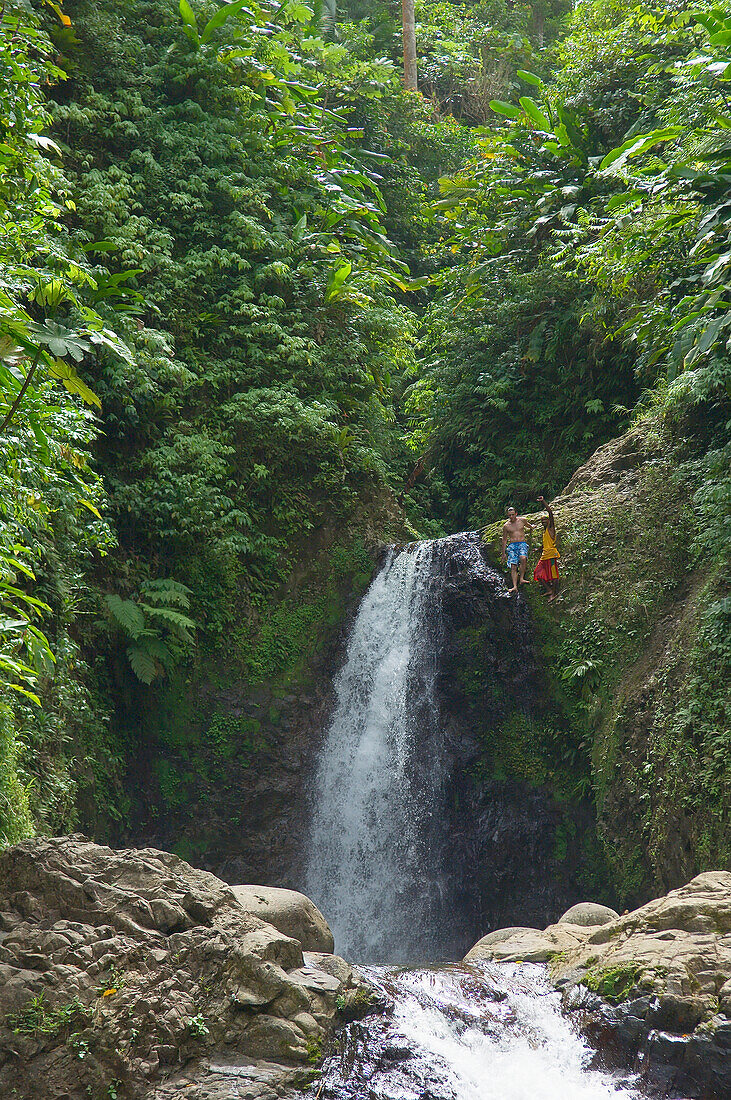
[
  {"x": 530, "y": 78},
  {"x": 190, "y": 26},
  {"x": 337, "y": 281},
  {"x": 534, "y": 113},
  {"x": 143, "y": 664},
  {"x": 26, "y": 692},
  {"x": 126, "y": 613},
  {"x": 633, "y": 147},
  {"x": 176, "y": 618},
  {"x": 507, "y": 109},
  {"x": 221, "y": 16},
  {"x": 91, "y": 507},
  {"x": 66, "y": 374}
]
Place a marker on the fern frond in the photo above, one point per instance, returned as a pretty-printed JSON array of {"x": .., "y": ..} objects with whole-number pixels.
[
  {"x": 175, "y": 618},
  {"x": 166, "y": 591},
  {"x": 126, "y": 614},
  {"x": 143, "y": 663}
]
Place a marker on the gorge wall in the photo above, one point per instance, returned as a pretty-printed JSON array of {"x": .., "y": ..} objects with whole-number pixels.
[
  {"x": 549, "y": 716},
  {"x": 515, "y": 825}
]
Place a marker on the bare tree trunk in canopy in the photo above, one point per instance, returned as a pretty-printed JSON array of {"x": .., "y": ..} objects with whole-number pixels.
[{"x": 407, "y": 8}]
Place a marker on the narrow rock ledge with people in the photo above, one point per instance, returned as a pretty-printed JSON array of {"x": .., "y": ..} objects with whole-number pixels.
[
  {"x": 650, "y": 988},
  {"x": 132, "y": 974}
]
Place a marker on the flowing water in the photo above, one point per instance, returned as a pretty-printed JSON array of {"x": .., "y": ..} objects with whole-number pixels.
[
  {"x": 379, "y": 849},
  {"x": 380, "y": 868},
  {"x": 461, "y": 1032}
]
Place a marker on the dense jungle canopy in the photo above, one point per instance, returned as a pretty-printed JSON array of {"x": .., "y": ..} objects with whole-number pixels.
[{"x": 258, "y": 304}]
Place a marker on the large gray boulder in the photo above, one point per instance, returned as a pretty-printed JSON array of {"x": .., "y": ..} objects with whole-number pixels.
[
  {"x": 588, "y": 914},
  {"x": 660, "y": 979},
  {"x": 679, "y": 944},
  {"x": 289, "y": 911},
  {"x": 526, "y": 944},
  {"x": 135, "y": 968},
  {"x": 502, "y": 934}
]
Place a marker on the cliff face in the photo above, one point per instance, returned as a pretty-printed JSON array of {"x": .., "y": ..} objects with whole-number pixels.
[
  {"x": 525, "y": 839},
  {"x": 589, "y": 740},
  {"x": 224, "y": 766},
  {"x": 217, "y": 759},
  {"x": 639, "y": 649}
]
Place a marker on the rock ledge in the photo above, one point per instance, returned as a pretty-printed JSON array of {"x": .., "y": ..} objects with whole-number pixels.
[
  {"x": 135, "y": 971},
  {"x": 652, "y": 987}
]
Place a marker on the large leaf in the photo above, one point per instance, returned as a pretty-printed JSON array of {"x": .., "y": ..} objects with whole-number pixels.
[
  {"x": 190, "y": 26},
  {"x": 221, "y": 16},
  {"x": 175, "y": 618},
  {"x": 534, "y": 113},
  {"x": 634, "y": 146},
  {"x": 507, "y": 109},
  {"x": 126, "y": 613},
  {"x": 530, "y": 78},
  {"x": 143, "y": 663},
  {"x": 66, "y": 374},
  {"x": 337, "y": 281}
]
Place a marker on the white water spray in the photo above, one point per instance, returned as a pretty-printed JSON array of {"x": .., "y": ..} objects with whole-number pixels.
[
  {"x": 481, "y": 1032},
  {"x": 376, "y": 850}
]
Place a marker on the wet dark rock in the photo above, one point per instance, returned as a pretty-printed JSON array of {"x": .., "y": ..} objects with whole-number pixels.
[
  {"x": 667, "y": 965},
  {"x": 499, "y": 865},
  {"x": 395, "y": 1053}
]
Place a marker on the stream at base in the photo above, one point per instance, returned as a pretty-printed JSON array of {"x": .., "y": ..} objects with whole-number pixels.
[{"x": 461, "y": 1032}]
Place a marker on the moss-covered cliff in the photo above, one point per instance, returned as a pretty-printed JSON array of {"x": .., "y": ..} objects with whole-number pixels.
[
  {"x": 218, "y": 755},
  {"x": 639, "y": 649}
]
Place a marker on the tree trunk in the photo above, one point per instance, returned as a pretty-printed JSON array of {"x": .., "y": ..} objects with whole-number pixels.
[{"x": 407, "y": 8}]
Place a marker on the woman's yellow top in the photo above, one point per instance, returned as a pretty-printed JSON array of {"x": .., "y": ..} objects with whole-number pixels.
[{"x": 549, "y": 546}]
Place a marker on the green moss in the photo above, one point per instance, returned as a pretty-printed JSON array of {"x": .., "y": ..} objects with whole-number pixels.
[
  {"x": 314, "y": 1050},
  {"x": 516, "y": 751},
  {"x": 231, "y": 735},
  {"x": 613, "y": 984},
  {"x": 638, "y": 654},
  {"x": 291, "y": 631}
]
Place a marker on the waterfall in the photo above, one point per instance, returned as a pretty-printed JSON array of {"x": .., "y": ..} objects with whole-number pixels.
[
  {"x": 379, "y": 849},
  {"x": 394, "y": 859}
]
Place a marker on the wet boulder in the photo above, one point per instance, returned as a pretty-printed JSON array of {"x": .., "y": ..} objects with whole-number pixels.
[{"x": 660, "y": 979}]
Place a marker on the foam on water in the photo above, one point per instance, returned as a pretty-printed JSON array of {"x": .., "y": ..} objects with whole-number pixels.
[{"x": 469, "y": 1033}]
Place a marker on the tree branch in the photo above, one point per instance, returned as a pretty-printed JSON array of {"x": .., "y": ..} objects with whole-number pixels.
[{"x": 20, "y": 396}]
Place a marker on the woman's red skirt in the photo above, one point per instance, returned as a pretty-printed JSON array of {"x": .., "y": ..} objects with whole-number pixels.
[{"x": 546, "y": 571}]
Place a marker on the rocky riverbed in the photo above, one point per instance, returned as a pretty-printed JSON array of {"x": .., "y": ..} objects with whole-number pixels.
[
  {"x": 130, "y": 974},
  {"x": 651, "y": 988}
]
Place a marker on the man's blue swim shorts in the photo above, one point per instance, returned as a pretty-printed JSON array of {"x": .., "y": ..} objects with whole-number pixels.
[{"x": 516, "y": 551}]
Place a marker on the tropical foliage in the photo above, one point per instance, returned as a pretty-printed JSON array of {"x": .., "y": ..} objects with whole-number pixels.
[{"x": 255, "y": 299}]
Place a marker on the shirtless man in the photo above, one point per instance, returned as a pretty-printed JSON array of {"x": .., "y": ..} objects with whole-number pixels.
[{"x": 514, "y": 532}]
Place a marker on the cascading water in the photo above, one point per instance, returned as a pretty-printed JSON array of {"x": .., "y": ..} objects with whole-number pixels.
[
  {"x": 467, "y": 1033},
  {"x": 378, "y": 844},
  {"x": 387, "y": 869}
]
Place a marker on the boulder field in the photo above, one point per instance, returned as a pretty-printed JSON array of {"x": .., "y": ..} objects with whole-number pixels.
[
  {"x": 651, "y": 987},
  {"x": 130, "y": 974}
]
